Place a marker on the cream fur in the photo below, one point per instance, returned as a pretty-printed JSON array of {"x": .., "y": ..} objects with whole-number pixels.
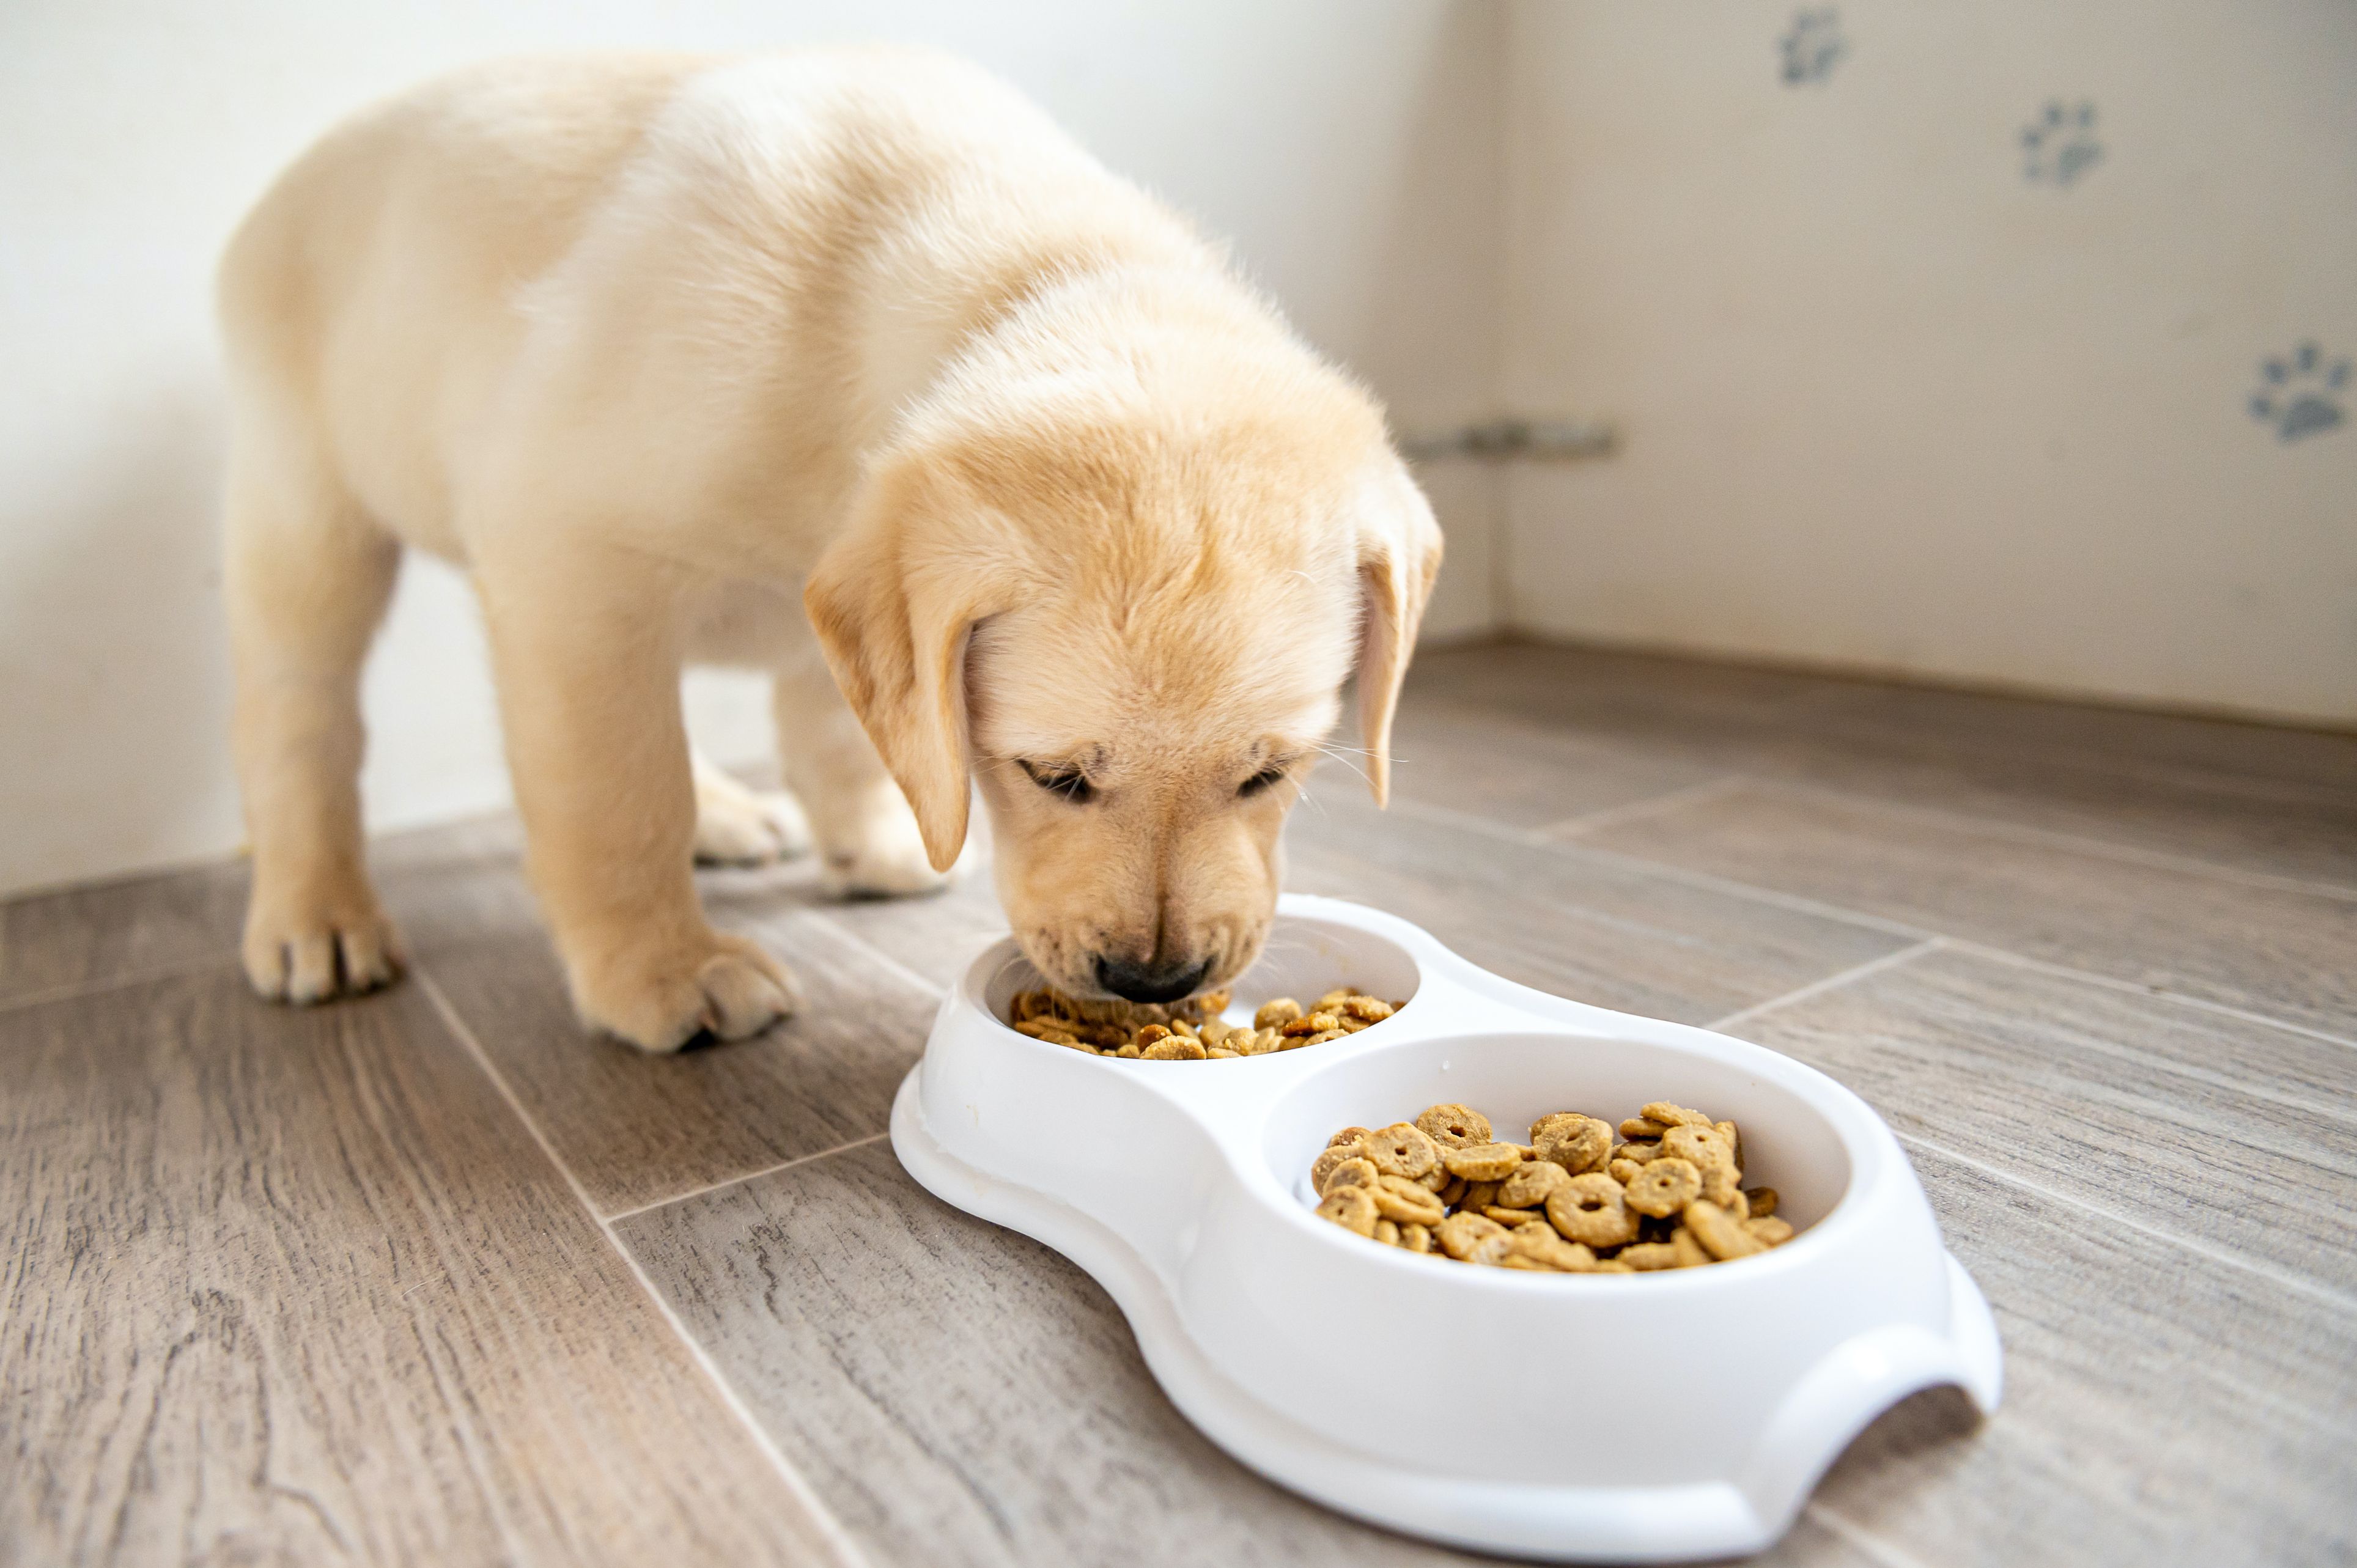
[{"x": 649, "y": 344}]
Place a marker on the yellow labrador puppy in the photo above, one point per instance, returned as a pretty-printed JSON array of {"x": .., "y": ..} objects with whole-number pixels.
[{"x": 657, "y": 347}]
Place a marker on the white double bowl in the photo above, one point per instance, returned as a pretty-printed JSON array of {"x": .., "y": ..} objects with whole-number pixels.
[{"x": 1652, "y": 1417}]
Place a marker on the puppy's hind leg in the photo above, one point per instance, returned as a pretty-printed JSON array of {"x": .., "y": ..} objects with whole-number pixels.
[
  {"x": 307, "y": 580},
  {"x": 867, "y": 838}
]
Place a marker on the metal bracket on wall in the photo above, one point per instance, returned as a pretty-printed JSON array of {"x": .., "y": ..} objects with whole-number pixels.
[{"x": 1533, "y": 440}]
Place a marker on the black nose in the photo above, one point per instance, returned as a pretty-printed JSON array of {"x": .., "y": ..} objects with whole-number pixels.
[{"x": 1150, "y": 982}]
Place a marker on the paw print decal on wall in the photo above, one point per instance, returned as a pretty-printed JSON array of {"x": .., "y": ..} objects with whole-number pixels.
[
  {"x": 2300, "y": 395},
  {"x": 2059, "y": 144},
  {"x": 1813, "y": 47}
]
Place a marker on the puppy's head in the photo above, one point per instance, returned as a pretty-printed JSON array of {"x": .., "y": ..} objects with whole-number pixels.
[{"x": 1134, "y": 643}]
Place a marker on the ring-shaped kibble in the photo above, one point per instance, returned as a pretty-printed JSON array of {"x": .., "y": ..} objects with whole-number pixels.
[
  {"x": 1592, "y": 1210},
  {"x": 1350, "y": 1135},
  {"x": 1453, "y": 1126},
  {"x": 1402, "y": 1150},
  {"x": 1353, "y": 1169},
  {"x": 1762, "y": 1200},
  {"x": 1704, "y": 1147},
  {"x": 1530, "y": 1184},
  {"x": 1665, "y": 1188},
  {"x": 1721, "y": 1234},
  {"x": 1577, "y": 1143},
  {"x": 1405, "y": 1202},
  {"x": 1351, "y": 1208},
  {"x": 1277, "y": 1013},
  {"x": 1669, "y": 1115},
  {"x": 1462, "y": 1232},
  {"x": 1483, "y": 1162}
]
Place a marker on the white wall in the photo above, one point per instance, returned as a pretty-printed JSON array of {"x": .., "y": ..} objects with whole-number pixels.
[
  {"x": 1348, "y": 146},
  {"x": 1889, "y": 403}
]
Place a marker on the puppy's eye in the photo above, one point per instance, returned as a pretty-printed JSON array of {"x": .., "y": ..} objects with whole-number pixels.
[
  {"x": 1068, "y": 782},
  {"x": 1261, "y": 780}
]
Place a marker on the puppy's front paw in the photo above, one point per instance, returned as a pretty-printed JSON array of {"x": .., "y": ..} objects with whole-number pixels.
[
  {"x": 658, "y": 1002},
  {"x": 738, "y": 826},
  {"x": 313, "y": 948},
  {"x": 885, "y": 860}
]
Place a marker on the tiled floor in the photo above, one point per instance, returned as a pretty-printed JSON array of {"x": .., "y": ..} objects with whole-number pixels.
[{"x": 432, "y": 1278}]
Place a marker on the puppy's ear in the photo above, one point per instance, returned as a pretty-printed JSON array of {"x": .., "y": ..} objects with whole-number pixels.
[
  {"x": 1399, "y": 557},
  {"x": 893, "y": 601}
]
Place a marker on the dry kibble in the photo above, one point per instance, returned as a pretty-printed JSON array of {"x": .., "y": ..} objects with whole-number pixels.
[
  {"x": 1277, "y": 1013},
  {"x": 1402, "y": 1150},
  {"x": 1720, "y": 1233},
  {"x": 1529, "y": 1185},
  {"x": 1459, "y": 1233},
  {"x": 1141, "y": 1030},
  {"x": 1577, "y": 1143},
  {"x": 1669, "y": 1115},
  {"x": 1665, "y": 1188},
  {"x": 1570, "y": 1201},
  {"x": 1497, "y": 1251},
  {"x": 1351, "y": 1170},
  {"x": 1539, "y": 1242},
  {"x": 1453, "y": 1126},
  {"x": 1484, "y": 1161},
  {"x": 1592, "y": 1209},
  {"x": 1401, "y": 1199},
  {"x": 1351, "y": 1208}
]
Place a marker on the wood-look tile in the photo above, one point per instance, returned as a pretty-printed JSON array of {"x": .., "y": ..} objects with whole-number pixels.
[
  {"x": 144, "y": 925},
  {"x": 2232, "y": 1134},
  {"x": 292, "y": 1286},
  {"x": 2283, "y": 952},
  {"x": 960, "y": 1394},
  {"x": 1588, "y": 927},
  {"x": 2091, "y": 772},
  {"x": 2161, "y": 1406},
  {"x": 636, "y": 1129},
  {"x": 935, "y": 935},
  {"x": 1517, "y": 774}
]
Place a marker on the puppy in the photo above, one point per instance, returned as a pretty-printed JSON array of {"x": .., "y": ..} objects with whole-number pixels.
[{"x": 656, "y": 348}]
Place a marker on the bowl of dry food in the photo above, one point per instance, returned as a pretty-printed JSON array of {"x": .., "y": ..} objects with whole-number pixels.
[{"x": 1507, "y": 1217}]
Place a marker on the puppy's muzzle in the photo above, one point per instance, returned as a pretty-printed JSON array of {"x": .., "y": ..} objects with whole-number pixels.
[{"x": 1150, "y": 982}]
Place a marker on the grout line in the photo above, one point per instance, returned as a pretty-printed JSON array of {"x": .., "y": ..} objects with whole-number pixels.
[
  {"x": 1703, "y": 879},
  {"x": 1832, "y": 981},
  {"x": 616, "y": 1219},
  {"x": 2157, "y": 993},
  {"x": 828, "y": 1526},
  {"x": 2216, "y": 1254},
  {"x": 1864, "y": 1540},
  {"x": 899, "y": 971},
  {"x": 1447, "y": 816},
  {"x": 1632, "y": 811},
  {"x": 72, "y": 989},
  {"x": 2135, "y": 854}
]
